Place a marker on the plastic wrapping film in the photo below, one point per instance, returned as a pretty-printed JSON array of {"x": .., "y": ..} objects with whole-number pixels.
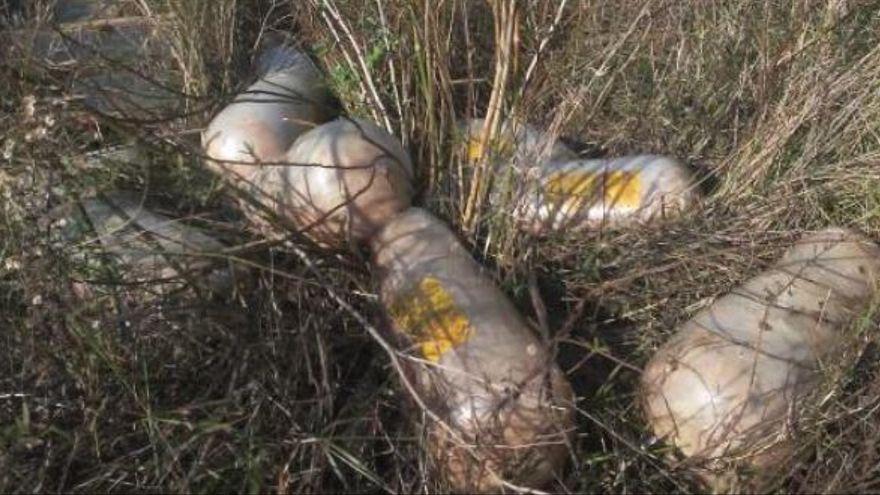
[
  {"x": 722, "y": 387},
  {"x": 148, "y": 249},
  {"x": 347, "y": 179},
  {"x": 119, "y": 63},
  {"x": 495, "y": 385},
  {"x": 514, "y": 141},
  {"x": 259, "y": 125},
  {"x": 590, "y": 194}
]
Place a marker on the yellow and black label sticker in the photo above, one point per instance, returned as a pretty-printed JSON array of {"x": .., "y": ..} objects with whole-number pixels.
[
  {"x": 576, "y": 189},
  {"x": 429, "y": 315}
]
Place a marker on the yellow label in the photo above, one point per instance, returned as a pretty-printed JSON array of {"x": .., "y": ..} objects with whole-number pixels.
[
  {"x": 429, "y": 315},
  {"x": 575, "y": 188},
  {"x": 501, "y": 145}
]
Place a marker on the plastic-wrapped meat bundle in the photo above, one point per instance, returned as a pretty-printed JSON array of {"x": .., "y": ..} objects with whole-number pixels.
[
  {"x": 335, "y": 182},
  {"x": 259, "y": 125},
  {"x": 513, "y": 142},
  {"x": 505, "y": 407},
  {"x": 723, "y": 386},
  {"x": 590, "y": 194},
  {"x": 345, "y": 180}
]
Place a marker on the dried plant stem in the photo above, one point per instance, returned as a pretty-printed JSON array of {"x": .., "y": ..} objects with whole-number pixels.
[
  {"x": 380, "y": 113},
  {"x": 505, "y": 18}
]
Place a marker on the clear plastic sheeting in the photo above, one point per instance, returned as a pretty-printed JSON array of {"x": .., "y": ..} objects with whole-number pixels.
[
  {"x": 121, "y": 242},
  {"x": 118, "y": 64},
  {"x": 83, "y": 10}
]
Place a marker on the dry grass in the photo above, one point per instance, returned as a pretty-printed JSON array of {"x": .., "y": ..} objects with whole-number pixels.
[{"x": 775, "y": 104}]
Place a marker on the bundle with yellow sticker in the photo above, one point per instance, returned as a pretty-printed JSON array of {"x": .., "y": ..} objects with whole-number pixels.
[
  {"x": 572, "y": 190},
  {"x": 588, "y": 194},
  {"x": 513, "y": 141},
  {"x": 567, "y": 193},
  {"x": 506, "y": 408},
  {"x": 429, "y": 316}
]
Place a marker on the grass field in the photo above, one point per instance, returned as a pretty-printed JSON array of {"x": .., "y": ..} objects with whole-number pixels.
[{"x": 114, "y": 387}]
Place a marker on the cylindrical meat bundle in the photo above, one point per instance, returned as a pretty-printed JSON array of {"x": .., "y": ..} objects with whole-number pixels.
[
  {"x": 723, "y": 385},
  {"x": 289, "y": 99},
  {"x": 506, "y": 408},
  {"x": 514, "y": 140},
  {"x": 342, "y": 182},
  {"x": 588, "y": 194}
]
